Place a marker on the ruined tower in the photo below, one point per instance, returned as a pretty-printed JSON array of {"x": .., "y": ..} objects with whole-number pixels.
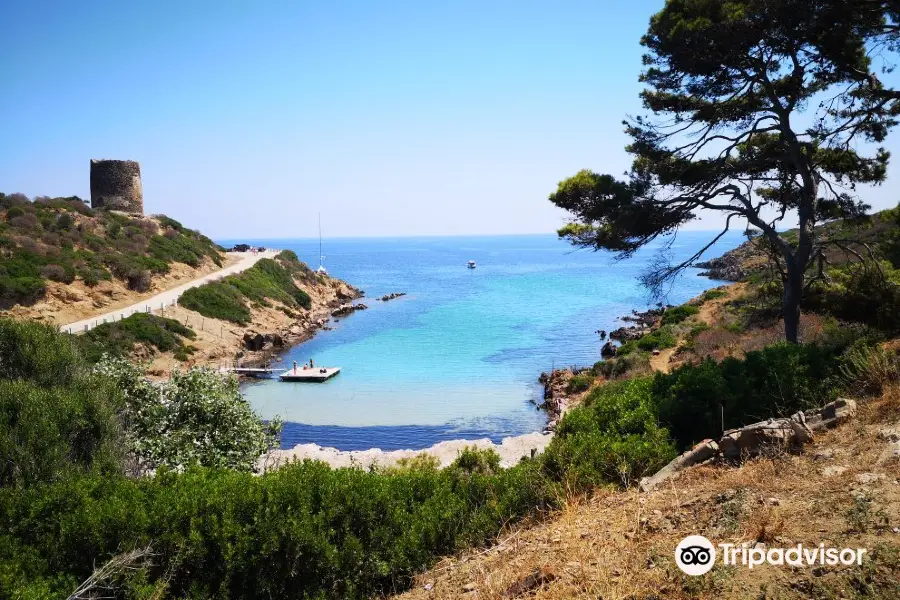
[{"x": 116, "y": 185}]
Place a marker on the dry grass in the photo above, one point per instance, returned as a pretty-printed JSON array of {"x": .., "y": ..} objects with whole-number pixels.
[{"x": 620, "y": 544}]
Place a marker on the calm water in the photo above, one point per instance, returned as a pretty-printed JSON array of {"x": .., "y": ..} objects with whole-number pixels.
[{"x": 459, "y": 355}]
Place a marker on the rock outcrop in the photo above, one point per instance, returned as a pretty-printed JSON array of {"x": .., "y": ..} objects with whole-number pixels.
[
  {"x": 256, "y": 341},
  {"x": 625, "y": 334},
  {"x": 391, "y": 296},
  {"x": 346, "y": 309},
  {"x": 725, "y": 268}
]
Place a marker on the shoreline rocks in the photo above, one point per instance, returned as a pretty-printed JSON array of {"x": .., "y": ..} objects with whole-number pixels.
[
  {"x": 391, "y": 296},
  {"x": 300, "y": 330},
  {"x": 511, "y": 451},
  {"x": 346, "y": 309}
]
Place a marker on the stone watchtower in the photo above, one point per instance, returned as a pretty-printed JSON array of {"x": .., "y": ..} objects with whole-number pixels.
[{"x": 116, "y": 185}]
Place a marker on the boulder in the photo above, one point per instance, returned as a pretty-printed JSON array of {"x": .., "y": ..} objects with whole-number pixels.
[
  {"x": 254, "y": 340},
  {"x": 345, "y": 293},
  {"x": 346, "y": 309},
  {"x": 608, "y": 350},
  {"x": 830, "y": 415},
  {"x": 890, "y": 454},
  {"x": 832, "y": 470},
  {"x": 890, "y": 434},
  {"x": 532, "y": 581},
  {"x": 754, "y": 439},
  {"x": 391, "y": 296}
]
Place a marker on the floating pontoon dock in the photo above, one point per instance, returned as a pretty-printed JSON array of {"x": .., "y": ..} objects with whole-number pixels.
[{"x": 316, "y": 374}]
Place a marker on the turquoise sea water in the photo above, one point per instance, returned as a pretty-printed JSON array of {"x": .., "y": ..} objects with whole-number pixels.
[{"x": 459, "y": 355}]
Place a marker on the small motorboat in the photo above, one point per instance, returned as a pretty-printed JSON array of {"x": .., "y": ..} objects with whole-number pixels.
[{"x": 471, "y": 264}]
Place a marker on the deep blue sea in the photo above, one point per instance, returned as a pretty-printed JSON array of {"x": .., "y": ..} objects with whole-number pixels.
[{"x": 458, "y": 357}]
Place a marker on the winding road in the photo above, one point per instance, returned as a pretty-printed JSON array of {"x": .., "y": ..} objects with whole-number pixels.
[{"x": 170, "y": 296}]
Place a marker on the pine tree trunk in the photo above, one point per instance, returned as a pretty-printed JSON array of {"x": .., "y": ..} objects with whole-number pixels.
[{"x": 790, "y": 304}]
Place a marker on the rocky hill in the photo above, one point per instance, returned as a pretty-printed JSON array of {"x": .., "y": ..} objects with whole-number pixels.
[{"x": 63, "y": 261}]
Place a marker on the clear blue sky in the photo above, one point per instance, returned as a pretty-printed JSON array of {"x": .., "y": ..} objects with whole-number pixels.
[{"x": 391, "y": 118}]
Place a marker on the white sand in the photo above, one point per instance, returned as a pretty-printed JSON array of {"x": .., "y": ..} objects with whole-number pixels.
[{"x": 511, "y": 451}]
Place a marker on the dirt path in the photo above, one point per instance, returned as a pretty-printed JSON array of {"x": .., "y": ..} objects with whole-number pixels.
[
  {"x": 710, "y": 314},
  {"x": 660, "y": 362},
  {"x": 168, "y": 297}
]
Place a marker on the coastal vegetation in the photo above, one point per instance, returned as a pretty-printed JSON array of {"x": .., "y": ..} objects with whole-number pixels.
[
  {"x": 119, "y": 338},
  {"x": 166, "y": 470},
  {"x": 64, "y": 240},
  {"x": 230, "y": 298}
]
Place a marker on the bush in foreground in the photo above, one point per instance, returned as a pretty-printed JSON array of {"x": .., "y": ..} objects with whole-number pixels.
[
  {"x": 612, "y": 438},
  {"x": 55, "y": 420},
  {"x": 197, "y": 417}
]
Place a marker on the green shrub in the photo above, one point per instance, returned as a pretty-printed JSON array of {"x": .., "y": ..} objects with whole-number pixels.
[
  {"x": 612, "y": 437},
  {"x": 41, "y": 238},
  {"x": 64, "y": 221},
  {"x": 712, "y": 295},
  {"x": 227, "y": 299},
  {"x": 679, "y": 314},
  {"x": 775, "y": 381},
  {"x": 48, "y": 433},
  {"x": 118, "y": 338},
  {"x": 862, "y": 295},
  {"x": 217, "y": 300},
  {"x": 635, "y": 363},
  {"x": 197, "y": 417},
  {"x": 658, "y": 339},
  {"x": 871, "y": 368},
  {"x": 55, "y": 419},
  {"x": 20, "y": 290},
  {"x": 58, "y": 273},
  {"x": 304, "y": 531},
  {"x": 472, "y": 460},
  {"x": 38, "y": 353},
  {"x": 579, "y": 383}
]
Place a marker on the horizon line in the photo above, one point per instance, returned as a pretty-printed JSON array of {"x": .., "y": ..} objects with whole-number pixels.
[{"x": 413, "y": 236}]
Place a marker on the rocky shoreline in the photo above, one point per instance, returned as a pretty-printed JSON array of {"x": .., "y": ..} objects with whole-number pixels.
[
  {"x": 511, "y": 450},
  {"x": 260, "y": 348}
]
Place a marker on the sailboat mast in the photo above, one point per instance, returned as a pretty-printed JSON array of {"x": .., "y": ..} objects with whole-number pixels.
[{"x": 320, "y": 239}]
